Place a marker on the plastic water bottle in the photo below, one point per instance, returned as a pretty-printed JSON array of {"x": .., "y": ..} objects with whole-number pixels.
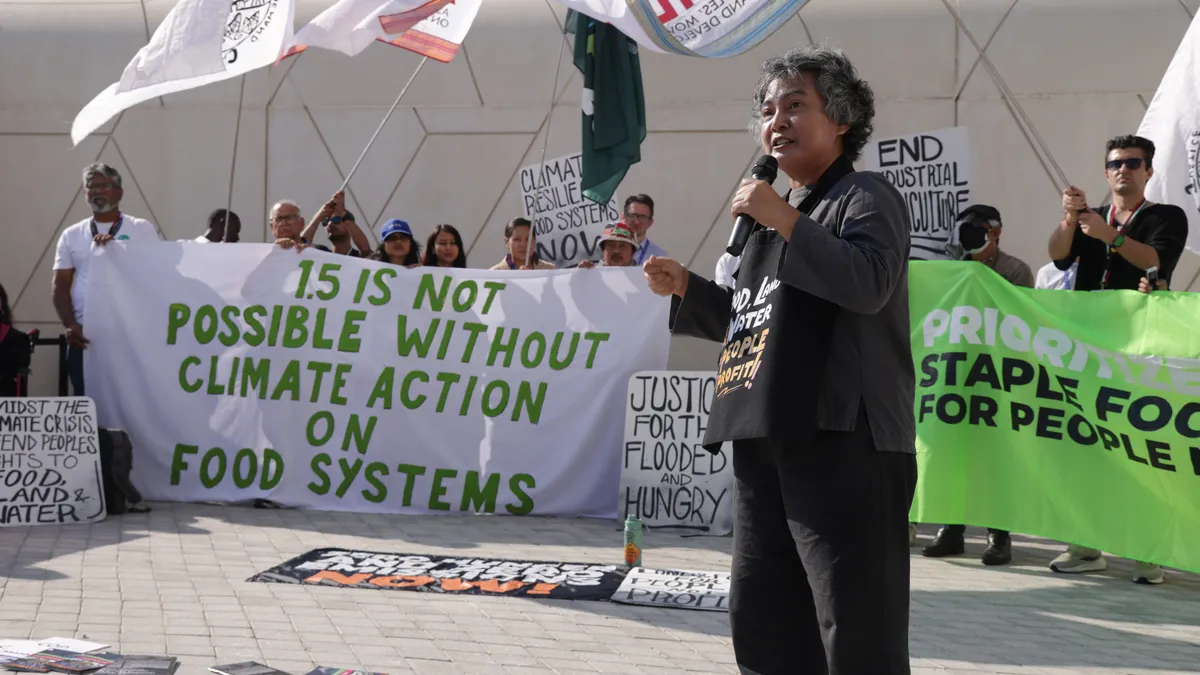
[{"x": 633, "y": 541}]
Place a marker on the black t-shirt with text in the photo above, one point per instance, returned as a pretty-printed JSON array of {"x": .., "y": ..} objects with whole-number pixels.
[
  {"x": 1163, "y": 227},
  {"x": 776, "y": 340}
]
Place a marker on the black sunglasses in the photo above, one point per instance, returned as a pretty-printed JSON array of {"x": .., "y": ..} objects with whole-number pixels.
[{"x": 1134, "y": 163}]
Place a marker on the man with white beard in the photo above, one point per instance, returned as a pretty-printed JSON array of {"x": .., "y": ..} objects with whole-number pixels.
[{"x": 72, "y": 258}]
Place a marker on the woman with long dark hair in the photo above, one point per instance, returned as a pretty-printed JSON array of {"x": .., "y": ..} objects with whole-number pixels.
[
  {"x": 15, "y": 349},
  {"x": 445, "y": 248},
  {"x": 518, "y": 239},
  {"x": 397, "y": 245}
]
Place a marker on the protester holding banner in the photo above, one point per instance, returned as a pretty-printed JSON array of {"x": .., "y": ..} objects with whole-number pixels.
[
  {"x": 286, "y": 225},
  {"x": 976, "y": 236},
  {"x": 617, "y": 248},
  {"x": 518, "y": 239},
  {"x": 444, "y": 248},
  {"x": 397, "y": 246},
  {"x": 73, "y": 256},
  {"x": 1115, "y": 246},
  {"x": 824, "y": 464}
]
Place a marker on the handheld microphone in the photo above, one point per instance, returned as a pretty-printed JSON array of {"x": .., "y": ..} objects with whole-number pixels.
[{"x": 766, "y": 168}]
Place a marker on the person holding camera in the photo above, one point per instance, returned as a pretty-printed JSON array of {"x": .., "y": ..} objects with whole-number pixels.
[{"x": 976, "y": 237}]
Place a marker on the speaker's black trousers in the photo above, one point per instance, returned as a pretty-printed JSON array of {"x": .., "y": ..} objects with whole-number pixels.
[{"x": 821, "y": 556}]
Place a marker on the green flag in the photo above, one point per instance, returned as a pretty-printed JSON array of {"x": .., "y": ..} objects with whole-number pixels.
[
  {"x": 1074, "y": 416},
  {"x": 614, "y": 108}
]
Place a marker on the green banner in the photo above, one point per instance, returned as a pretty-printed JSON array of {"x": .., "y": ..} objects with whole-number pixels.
[{"x": 1068, "y": 415}]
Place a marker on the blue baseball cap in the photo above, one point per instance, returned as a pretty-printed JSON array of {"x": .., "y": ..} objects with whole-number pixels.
[{"x": 396, "y": 225}]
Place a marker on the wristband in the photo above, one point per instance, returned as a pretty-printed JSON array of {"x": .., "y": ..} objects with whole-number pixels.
[{"x": 1118, "y": 241}]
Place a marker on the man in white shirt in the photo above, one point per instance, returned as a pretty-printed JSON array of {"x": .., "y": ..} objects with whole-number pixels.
[
  {"x": 639, "y": 216},
  {"x": 727, "y": 265},
  {"x": 1051, "y": 278},
  {"x": 73, "y": 257}
]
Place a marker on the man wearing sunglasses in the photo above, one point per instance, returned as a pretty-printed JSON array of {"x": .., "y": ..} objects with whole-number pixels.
[{"x": 1115, "y": 245}]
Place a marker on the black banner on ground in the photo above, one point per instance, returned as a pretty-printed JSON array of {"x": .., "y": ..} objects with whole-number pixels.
[{"x": 448, "y": 574}]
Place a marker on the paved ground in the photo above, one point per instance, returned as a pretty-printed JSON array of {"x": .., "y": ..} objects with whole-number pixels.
[{"x": 172, "y": 581}]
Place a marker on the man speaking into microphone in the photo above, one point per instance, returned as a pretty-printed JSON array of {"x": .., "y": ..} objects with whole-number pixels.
[{"x": 814, "y": 385}]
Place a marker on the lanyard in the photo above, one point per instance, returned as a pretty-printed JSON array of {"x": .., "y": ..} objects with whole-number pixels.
[
  {"x": 1112, "y": 215},
  {"x": 641, "y": 257},
  {"x": 112, "y": 230}
]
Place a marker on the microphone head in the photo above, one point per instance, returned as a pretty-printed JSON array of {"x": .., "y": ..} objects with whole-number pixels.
[{"x": 766, "y": 168}]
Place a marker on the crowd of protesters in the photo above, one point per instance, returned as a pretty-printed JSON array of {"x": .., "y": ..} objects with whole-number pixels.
[{"x": 1128, "y": 243}]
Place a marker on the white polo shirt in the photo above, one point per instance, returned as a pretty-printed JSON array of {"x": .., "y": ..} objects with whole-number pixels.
[{"x": 75, "y": 246}]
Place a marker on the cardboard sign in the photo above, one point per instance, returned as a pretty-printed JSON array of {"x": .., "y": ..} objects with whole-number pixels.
[
  {"x": 932, "y": 170},
  {"x": 444, "y": 574},
  {"x": 567, "y": 226},
  {"x": 667, "y": 478},
  {"x": 49, "y": 462},
  {"x": 678, "y": 589}
]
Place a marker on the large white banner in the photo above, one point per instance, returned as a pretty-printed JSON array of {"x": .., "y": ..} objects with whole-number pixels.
[
  {"x": 932, "y": 170},
  {"x": 567, "y": 226},
  {"x": 667, "y": 478},
  {"x": 330, "y": 382},
  {"x": 49, "y": 462}
]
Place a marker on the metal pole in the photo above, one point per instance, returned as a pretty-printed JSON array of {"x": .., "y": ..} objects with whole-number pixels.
[
  {"x": 1008, "y": 95},
  {"x": 537, "y": 210},
  {"x": 381, "y": 123},
  {"x": 237, "y": 130}
]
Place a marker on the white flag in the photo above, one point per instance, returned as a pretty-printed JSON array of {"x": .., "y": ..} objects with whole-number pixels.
[
  {"x": 198, "y": 43},
  {"x": 1173, "y": 122},
  {"x": 440, "y": 35},
  {"x": 350, "y": 26},
  {"x": 433, "y": 28},
  {"x": 692, "y": 27}
]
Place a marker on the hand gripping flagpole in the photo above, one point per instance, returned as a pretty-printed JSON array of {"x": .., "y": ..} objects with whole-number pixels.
[{"x": 382, "y": 123}]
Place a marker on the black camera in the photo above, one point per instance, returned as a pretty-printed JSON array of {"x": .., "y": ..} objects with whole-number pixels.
[{"x": 970, "y": 231}]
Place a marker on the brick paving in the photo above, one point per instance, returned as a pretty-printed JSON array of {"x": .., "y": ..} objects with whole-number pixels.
[{"x": 173, "y": 581}]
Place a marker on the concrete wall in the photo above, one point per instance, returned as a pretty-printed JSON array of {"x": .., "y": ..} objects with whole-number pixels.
[{"x": 1082, "y": 70}]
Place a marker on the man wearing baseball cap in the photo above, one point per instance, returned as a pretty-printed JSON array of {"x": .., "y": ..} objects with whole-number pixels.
[
  {"x": 617, "y": 247},
  {"x": 976, "y": 236}
]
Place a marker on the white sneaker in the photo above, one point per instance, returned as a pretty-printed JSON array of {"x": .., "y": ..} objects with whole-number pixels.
[
  {"x": 1079, "y": 559},
  {"x": 1146, "y": 573}
]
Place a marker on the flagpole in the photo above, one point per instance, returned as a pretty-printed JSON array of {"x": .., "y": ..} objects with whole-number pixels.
[
  {"x": 237, "y": 130},
  {"x": 1007, "y": 94},
  {"x": 382, "y": 123},
  {"x": 537, "y": 209},
  {"x": 1192, "y": 282}
]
